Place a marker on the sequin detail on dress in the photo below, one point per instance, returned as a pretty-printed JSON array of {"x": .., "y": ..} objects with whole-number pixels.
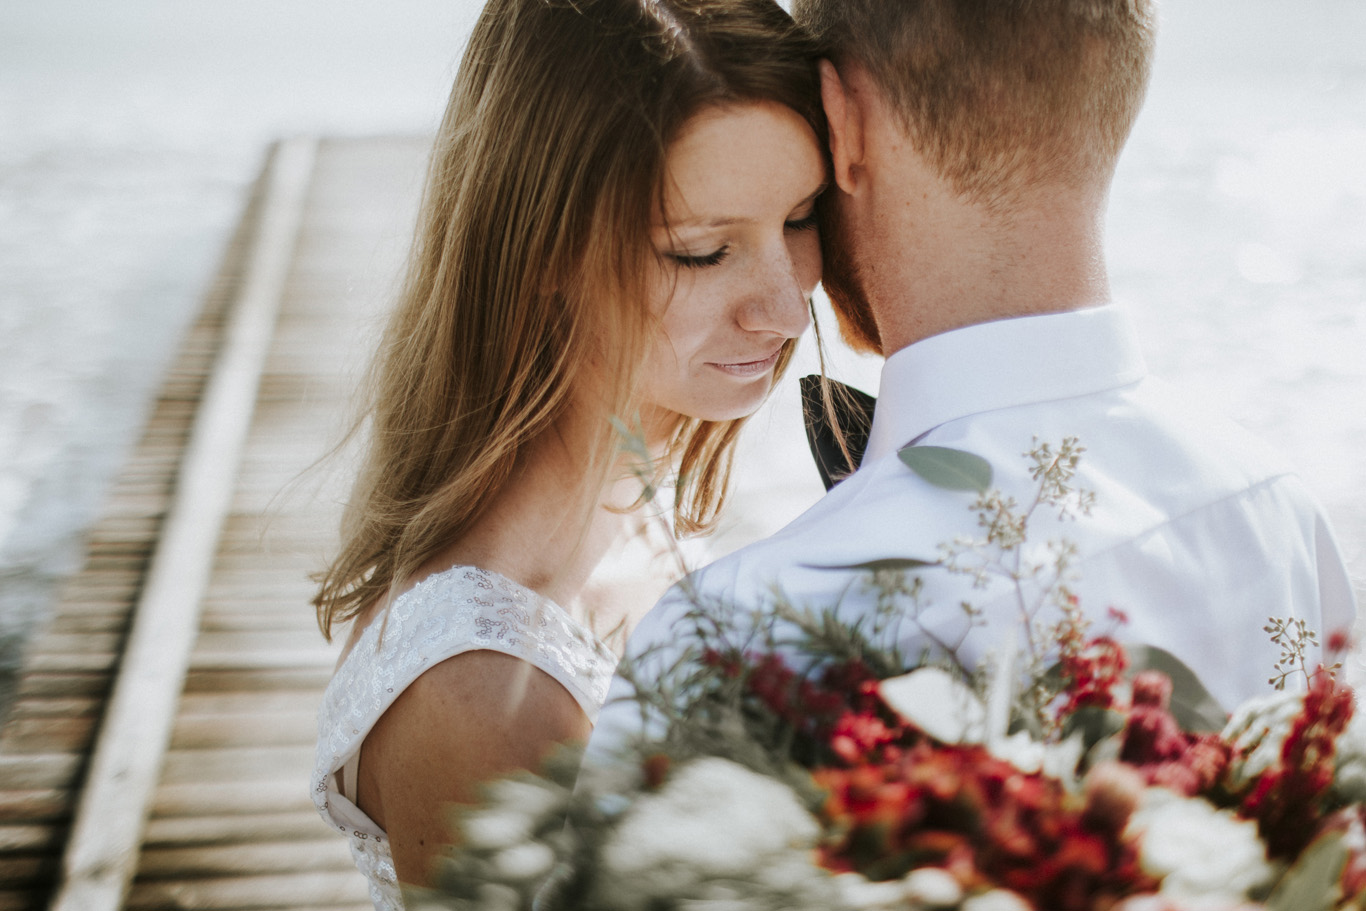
[{"x": 460, "y": 610}]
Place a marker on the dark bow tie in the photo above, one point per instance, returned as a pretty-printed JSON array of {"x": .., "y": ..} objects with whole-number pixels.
[{"x": 853, "y": 410}]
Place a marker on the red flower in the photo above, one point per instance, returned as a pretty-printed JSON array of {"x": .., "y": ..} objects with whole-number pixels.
[
  {"x": 962, "y": 809},
  {"x": 1340, "y": 642},
  {"x": 1287, "y": 802},
  {"x": 1151, "y": 736},
  {"x": 1091, "y": 671},
  {"x": 855, "y": 736}
]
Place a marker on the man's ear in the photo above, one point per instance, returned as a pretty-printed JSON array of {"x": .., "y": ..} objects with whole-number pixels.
[{"x": 845, "y": 116}]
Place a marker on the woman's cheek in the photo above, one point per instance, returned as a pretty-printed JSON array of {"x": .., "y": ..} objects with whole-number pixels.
[
  {"x": 686, "y": 321},
  {"x": 808, "y": 261}
]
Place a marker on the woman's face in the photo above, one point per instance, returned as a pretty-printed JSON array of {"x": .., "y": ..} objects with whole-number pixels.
[{"x": 740, "y": 256}]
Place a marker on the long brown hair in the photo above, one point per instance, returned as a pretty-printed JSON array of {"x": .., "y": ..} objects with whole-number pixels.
[{"x": 531, "y": 256}]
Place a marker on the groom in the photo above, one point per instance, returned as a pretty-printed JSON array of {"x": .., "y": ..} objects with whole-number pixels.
[{"x": 973, "y": 143}]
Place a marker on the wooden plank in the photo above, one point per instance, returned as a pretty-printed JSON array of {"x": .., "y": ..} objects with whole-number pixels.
[
  {"x": 101, "y": 857},
  {"x": 258, "y": 857},
  {"x": 53, "y": 707},
  {"x": 31, "y": 805},
  {"x": 250, "y": 797},
  {"x": 320, "y": 658},
  {"x": 28, "y": 838},
  {"x": 44, "y": 685},
  {"x": 20, "y": 869},
  {"x": 221, "y": 828},
  {"x": 325, "y": 889},
  {"x": 238, "y": 763},
  {"x": 297, "y": 727},
  {"x": 54, "y": 643},
  {"x": 313, "y": 677},
  {"x": 39, "y": 770},
  {"x": 236, "y": 702},
  {"x": 72, "y": 663},
  {"x": 46, "y": 735}
]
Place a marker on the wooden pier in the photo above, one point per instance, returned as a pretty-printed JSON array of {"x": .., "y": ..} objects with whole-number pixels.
[{"x": 159, "y": 751}]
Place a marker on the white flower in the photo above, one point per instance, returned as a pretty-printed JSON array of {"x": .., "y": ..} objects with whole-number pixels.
[
  {"x": 997, "y": 900},
  {"x": 713, "y": 818},
  {"x": 859, "y": 893},
  {"x": 1056, "y": 760},
  {"x": 1258, "y": 728},
  {"x": 495, "y": 829},
  {"x": 1167, "y": 903},
  {"x": 1196, "y": 849},
  {"x": 931, "y": 887},
  {"x": 507, "y": 819},
  {"x": 524, "y": 862},
  {"x": 938, "y": 703}
]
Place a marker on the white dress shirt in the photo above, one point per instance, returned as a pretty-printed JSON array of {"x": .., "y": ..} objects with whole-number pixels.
[{"x": 1198, "y": 533}]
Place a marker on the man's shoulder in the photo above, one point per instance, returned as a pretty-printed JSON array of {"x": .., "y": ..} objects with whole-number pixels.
[
  {"x": 1188, "y": 421},
  {"x": 881, "y": 511},
  {"x": 1150, "y": 451}
]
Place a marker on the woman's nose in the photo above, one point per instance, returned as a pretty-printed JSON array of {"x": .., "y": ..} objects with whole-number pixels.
[{"x": 777, "y": 302}]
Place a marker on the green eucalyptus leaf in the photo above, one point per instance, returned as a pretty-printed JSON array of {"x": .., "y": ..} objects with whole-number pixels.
[
  {"x": 1094, "y": 723},
  {"x": 951, "y": 469},
  {"x": 887, "y": 563},
  {"x": 1106, "y": 750},
  {"x": 1312, "y": 882},
  {"x": 1192, "y": 705}
]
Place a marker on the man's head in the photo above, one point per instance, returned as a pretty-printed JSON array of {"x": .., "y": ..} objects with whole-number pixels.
[
  {"x": 1000, "y": 99},
  {"x": 1000, "y": 93}
]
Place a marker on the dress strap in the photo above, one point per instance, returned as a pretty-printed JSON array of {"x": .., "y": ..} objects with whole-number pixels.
[{"x": 347, "y": 785}]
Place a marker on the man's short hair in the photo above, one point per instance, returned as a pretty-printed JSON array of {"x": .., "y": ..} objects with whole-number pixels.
[{"x": 1000, "y": 94}]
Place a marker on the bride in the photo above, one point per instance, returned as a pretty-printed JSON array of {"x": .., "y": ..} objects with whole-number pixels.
[{"x": 618, "y": 230}]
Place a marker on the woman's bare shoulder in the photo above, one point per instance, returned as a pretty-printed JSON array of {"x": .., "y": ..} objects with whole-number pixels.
[
  {"x": 466, "y": 721},
  {"x": 492, "y": 689}
]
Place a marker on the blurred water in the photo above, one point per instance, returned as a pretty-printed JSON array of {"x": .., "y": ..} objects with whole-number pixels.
[
  {"x": 1238, "y": 229},
  {"x": 129, "y": 131}
]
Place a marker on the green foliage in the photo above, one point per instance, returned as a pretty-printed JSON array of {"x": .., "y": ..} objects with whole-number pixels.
[
  {"x": 892, "y": 564},
  {"x": 1094, "y": 724},
  {"x": 1192, "y": 705},
  {"x": 1313, "y": 882},
  {"x": 951, "y": 469}
]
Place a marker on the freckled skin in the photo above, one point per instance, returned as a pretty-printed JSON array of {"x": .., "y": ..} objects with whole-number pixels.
[{"x": 742, "y": 182}]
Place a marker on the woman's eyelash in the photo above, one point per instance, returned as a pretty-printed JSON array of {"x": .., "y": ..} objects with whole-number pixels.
[
  {"x": 697, "y": 262},
  {"x": 712, "y": 259}
]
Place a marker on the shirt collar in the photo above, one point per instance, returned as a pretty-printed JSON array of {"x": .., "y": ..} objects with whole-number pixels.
[{"x": 1001, "y": 364}]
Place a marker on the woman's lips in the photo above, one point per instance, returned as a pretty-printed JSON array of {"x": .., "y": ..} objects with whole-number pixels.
[{"x": 749, "y": 368}]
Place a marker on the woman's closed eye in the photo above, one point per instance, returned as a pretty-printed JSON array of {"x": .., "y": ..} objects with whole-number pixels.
[
  {"x": 802, "y": 224},
  {"x": 699, "y": 262}
]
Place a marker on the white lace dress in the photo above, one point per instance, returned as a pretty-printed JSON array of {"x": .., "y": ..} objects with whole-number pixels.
[{"x": 460, "y": 610}]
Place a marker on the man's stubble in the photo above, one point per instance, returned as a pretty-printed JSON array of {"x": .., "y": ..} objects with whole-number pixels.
[{"x": 843, "y": 283}]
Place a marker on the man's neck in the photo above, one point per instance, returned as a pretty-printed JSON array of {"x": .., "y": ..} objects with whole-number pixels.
[{"x": 953, "y": 265}]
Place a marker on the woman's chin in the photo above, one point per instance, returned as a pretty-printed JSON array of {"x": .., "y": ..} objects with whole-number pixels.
[
  {"x": 734, "y": 399},
  {"x": 734, "y": 409}
]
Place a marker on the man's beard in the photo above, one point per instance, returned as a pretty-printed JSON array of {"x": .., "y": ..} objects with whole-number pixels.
[{"x": 843, "y": 285}]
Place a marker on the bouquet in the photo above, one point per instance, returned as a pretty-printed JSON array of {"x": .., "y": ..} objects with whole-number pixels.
[{"x": 801, "y": 762}]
